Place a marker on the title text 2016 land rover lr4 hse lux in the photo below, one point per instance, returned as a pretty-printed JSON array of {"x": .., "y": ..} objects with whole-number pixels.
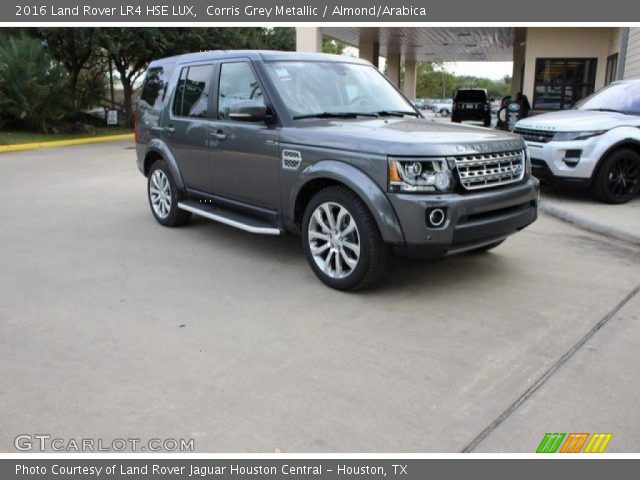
[{"x": 326, "y": 147}]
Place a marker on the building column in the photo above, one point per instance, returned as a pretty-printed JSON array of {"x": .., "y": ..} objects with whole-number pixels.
[
  {"x": 309, "y": 39},
  {"x": 409, "y": 87},
  {"x": 519, "y": 51},
  {"x": 368, "y": 46},
  {"x": 393, "y": 68}
]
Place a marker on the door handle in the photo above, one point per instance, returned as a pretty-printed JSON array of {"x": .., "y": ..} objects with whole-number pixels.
[
  {"x": 170, "y": 129},
  {"x": 220, "y": 135}
]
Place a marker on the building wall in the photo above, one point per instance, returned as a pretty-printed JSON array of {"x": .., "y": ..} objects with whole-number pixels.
[
  {"x": 632, "y": 62},
  {"x": 568, "y": 43}
]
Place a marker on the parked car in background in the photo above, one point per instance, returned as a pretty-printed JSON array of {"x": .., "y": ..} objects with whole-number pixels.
[
  {"x": 471, "y": 104},
  {"x": 595, "y": 145},
  {"x": 324, "y": 146},
  {"x": 442, "y": 106}
]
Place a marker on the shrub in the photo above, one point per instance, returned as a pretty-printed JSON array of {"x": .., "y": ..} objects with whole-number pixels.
[{"x": 32, "y": 86}]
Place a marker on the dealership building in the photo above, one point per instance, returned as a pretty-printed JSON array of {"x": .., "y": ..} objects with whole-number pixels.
[{"x": 554, "y": 66}]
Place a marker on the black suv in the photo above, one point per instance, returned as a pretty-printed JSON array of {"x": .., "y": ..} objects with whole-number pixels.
[{"x": 472, "y": 104}]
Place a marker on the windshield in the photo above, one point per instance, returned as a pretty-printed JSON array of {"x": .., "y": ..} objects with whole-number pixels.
[
  {"x": 617, "y": 97},
  {"x": 313, "y": 88}
]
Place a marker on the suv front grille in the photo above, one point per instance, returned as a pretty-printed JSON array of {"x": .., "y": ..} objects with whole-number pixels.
[
  {"x": 530, "y": 135},
  {"x": 490, "y": 169}
]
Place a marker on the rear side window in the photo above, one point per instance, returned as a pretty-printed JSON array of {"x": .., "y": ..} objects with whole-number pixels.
[
  {"x": 192, "y": 92},
  {"x": 237, "y": 83},
  {"x": 155, "y": 85},
  {"x": 471, "y": 96}
]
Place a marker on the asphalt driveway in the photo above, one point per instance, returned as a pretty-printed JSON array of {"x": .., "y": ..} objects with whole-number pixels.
[{"x": 113, "y": 326}]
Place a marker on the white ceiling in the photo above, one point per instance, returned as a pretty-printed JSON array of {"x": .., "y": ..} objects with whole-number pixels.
[{"x": 446, "y": 44}]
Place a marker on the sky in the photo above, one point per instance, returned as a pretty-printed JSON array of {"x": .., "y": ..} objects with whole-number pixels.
[{"x": 492, "y": 70}]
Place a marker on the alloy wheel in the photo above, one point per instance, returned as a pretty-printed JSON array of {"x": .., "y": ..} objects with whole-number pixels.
[
  {"x": 334, "y": 240},
  {"x": 623, "y": 178},
  {"x": 160, "y": 193}
]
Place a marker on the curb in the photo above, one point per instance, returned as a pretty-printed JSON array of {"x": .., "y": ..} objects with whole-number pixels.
[
  {"x": 589, "y": 225},
  {"x": 64, "y": 143}
]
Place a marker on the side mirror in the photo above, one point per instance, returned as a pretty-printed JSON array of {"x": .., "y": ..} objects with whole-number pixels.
[{"x": 248, "y": 111}]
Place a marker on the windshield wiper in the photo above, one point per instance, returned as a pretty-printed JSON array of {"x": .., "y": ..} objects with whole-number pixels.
[
  {"x": 335, "y": 115},
  {"x": 395, "y": 113},
  {"x": 606, "y": 110}
]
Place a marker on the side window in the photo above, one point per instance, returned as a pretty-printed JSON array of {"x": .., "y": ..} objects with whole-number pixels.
[
  {"x": 192, "y": 92},
  {"x": 155, "y": 86},
  {"x": 237, "y": 83}
]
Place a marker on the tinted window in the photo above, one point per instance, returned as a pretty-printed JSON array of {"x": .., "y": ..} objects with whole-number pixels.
[
  {"x": 155, "y": 85},
  {"x": 237, "y": 83},
  {"x": 471, "y": 96},
  {"x": 192, "y": 92}
]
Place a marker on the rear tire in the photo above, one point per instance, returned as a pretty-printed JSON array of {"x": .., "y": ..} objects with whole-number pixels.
[
  {"x": 618, "y": 178},
  {"x": 163, "y": 196},
  {"x": 342, "y": 241}
]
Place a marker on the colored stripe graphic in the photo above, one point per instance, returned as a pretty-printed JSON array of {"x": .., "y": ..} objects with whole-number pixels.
[
  {"x": 598, "y": 442},
  {"x": 574, "y": 443},
  {"x": 550, "y": 443}
]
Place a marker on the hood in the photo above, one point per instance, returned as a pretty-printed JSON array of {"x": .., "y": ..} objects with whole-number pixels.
[
  {"x": 577, "y": 121},
  {"x": 399, "y": 136}
]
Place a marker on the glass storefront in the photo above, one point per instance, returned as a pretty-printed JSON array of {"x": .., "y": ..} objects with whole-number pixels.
[{"x": 561, "y": 82}]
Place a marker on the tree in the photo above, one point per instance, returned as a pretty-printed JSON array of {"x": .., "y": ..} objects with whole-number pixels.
[
  {"x": 331, "y": 46},
  {"x": 32, "y": 86},
  {"x": 131, "y": 49},
  {"x": 74, "y": 48}
]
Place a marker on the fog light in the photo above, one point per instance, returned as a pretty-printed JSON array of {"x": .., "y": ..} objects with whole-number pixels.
[
  {"x": 437, "y": 217},
  {"x": 442, "y": 181}
]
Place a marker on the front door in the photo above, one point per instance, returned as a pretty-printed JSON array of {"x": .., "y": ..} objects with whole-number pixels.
[
  {"x": 188, "y": 129},
  {"x": 244, "y": 154}
]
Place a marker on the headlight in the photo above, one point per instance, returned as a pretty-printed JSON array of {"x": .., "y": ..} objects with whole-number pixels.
[
  {"x": 569, "y": 136},
  {"x": 527, "y": 164},
  {"x": 420, "y": 175}
]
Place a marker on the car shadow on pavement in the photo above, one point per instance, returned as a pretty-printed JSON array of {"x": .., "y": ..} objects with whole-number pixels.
[{"x": 424, "y": 274}]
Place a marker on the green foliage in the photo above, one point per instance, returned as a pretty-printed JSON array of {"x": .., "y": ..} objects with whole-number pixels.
[
  {"x": 76, "y": 49},
  {"x": 331, "y": 46},
  {"x": 32, "y": 86},
  {"x": 433, "y": 81}
]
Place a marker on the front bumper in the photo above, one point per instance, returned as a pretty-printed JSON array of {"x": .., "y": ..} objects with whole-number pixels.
[
  {"x": 571, "y": 162},
  {"x": 472, "y": 220}
]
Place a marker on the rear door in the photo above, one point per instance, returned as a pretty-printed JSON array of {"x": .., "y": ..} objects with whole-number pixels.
[
  {"x": 244, "y": 158},
  {"x": 188, "y": 129}
]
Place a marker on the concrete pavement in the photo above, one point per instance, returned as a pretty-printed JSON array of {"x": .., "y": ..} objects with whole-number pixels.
[
  {"x": 114, "y": 326},
  {"x": 580, "y": 208}
]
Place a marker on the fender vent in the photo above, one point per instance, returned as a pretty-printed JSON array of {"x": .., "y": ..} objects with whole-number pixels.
[{"x": 291, "y": 159}]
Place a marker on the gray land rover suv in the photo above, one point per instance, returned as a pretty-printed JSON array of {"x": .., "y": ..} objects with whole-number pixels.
[{"x": 326, "y": 147}]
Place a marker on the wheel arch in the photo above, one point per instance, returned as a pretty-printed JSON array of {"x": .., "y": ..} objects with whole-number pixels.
[
  {"x": 327, "y": 173},
  {"x": 158, "y": 150}
]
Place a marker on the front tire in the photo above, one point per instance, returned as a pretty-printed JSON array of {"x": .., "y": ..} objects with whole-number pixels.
[
  {"x": 342, "y": 241},
  {"x": 163, "y": 196},
  {"x": 487, "y": 121},
  {"x": 618, "y": 178}
]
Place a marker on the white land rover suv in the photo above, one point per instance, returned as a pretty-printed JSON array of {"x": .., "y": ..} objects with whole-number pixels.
[{"x": 595, "y": 145}]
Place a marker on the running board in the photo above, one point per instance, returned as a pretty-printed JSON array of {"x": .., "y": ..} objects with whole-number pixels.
[{"x": 229, "y": 217}]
